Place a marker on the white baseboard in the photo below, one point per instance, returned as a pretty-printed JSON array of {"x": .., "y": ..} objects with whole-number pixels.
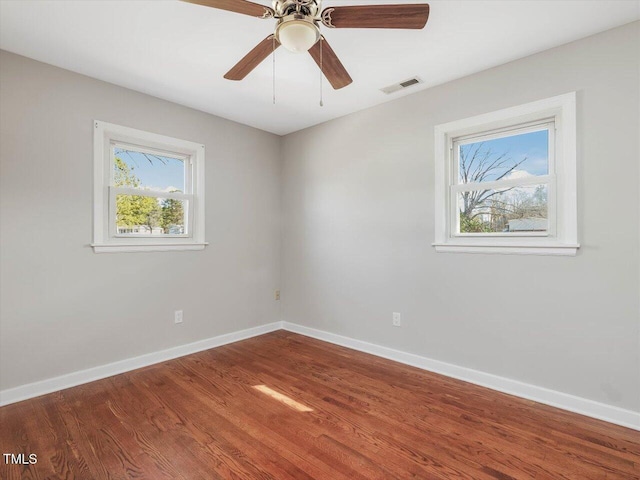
[
  {"x": 601, "y": 411},
  {"x": 24, "y": 392},
  {"x": 583, "y": 406}
]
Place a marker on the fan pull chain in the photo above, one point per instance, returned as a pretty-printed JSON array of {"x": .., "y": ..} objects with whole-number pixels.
[
  {"x": 274, "y": 68},
  {"x": 321, "y": 71}
]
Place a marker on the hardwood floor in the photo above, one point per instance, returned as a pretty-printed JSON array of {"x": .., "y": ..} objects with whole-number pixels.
[{"x": 322, "y": 412}]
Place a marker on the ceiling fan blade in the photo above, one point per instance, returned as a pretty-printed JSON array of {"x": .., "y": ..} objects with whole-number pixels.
[
  {"x": 237, "y": 6},
  {"x": 252, "y": 59},
  {"x": 413, "y": 16},
  {"x": 331, "y": 65}
]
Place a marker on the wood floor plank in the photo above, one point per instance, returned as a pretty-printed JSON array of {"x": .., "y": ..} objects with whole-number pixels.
[{"x": 330, "y": 413}]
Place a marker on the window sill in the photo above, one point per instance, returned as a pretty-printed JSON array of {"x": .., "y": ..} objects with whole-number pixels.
[
  {"x": 159, "y": 247},
  {"x": 514, "y": 249}
]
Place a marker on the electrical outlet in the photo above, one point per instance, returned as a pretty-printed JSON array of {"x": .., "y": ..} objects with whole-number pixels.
[
  {"x": 177, "y": 316},
  {"x": 277, "y": 295},
  {"x": 397, "y": 319}
]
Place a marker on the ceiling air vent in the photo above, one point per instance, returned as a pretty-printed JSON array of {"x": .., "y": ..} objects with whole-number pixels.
[{"x": 402, "y": 85}]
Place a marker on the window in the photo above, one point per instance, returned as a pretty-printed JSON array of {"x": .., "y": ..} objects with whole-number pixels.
[
  {"x": 501, "y": 182},
  {"x": 506, "y": 181},
  {"x": 148, "y": 191}
]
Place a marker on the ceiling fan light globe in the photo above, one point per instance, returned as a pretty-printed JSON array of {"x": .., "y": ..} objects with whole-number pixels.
[{"x": 298, "y": 36}]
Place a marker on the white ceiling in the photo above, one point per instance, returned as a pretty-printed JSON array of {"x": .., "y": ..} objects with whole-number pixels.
[{"x": 179, "y": 51}]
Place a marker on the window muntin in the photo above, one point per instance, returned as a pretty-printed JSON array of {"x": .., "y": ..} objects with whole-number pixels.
[{"x": 504, "y": 182}]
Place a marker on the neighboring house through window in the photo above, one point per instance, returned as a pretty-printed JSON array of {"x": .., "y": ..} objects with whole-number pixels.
[
  {"x": 506, "y": 181},
  {"x": 148, "y": 191}
]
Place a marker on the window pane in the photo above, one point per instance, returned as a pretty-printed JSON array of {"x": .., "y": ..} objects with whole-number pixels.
[
  {"x": 147, "y": 171},
  {"x": 140, "y": 215},
  {"x": 514, "y": 156},
  {"x": 510, "y": 210}
]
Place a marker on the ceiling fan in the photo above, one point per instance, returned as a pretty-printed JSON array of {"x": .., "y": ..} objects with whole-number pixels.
[{"x": 298, "y": 29}]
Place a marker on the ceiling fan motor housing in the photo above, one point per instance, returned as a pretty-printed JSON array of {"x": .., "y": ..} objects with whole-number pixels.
[{"x": 308, "y": 8}]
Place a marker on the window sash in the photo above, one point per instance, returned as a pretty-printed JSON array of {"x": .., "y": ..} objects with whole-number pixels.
[
  {"x": 187, "y": 159},
  {"x": 455, "y": 187},
  {"x": 551, "y": 213},
  {"x": 510, "y": 131},
  {"x": 114, "y": 191},
  {"x": 113, "y": 227}
]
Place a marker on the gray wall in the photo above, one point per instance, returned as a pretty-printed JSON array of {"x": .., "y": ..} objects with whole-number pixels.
[
  {"x": 359, "y": 220},
  {"x": 65, "y": 308}
]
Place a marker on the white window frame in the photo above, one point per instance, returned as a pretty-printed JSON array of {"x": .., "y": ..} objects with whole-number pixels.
[
  {"x": 107, "y": 137},
  {"x": 559, "y": 114}
]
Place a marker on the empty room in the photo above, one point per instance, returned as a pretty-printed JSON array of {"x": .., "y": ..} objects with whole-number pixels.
[{"x": 320, "y": 239}]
